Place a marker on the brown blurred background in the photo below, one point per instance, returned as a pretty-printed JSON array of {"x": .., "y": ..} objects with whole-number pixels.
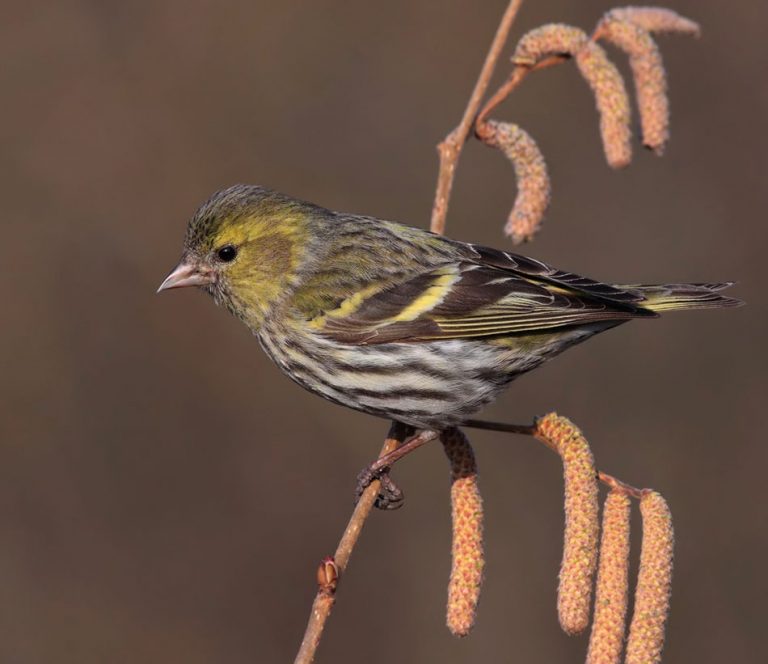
[{"x": 166, "y": 493}]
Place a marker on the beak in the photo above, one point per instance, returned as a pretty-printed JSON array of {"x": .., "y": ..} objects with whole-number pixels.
[{"x": 187, "y": 274}]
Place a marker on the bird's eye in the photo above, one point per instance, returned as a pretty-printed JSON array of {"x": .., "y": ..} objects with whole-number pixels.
[{"x": 227, "y": 253}]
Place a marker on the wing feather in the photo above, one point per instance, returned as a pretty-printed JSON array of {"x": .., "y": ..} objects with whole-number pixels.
[
  {"x": 499, "y": 294},
  {"x": 539, "y": 271}
]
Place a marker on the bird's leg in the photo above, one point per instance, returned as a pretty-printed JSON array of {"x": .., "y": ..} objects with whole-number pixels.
[{"x": 390, "y": 496}]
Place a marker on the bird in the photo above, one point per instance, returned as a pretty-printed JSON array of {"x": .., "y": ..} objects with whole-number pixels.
[{"x": 392, "y": 320}]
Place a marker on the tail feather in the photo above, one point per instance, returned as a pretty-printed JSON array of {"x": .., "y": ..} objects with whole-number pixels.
[{"x": 669, "y": 297}]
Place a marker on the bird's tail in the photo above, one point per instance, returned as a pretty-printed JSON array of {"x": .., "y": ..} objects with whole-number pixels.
[{"x": 669, "y": 297}]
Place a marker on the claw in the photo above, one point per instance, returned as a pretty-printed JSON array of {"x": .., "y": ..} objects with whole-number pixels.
[{"x": 390, "y": 495}]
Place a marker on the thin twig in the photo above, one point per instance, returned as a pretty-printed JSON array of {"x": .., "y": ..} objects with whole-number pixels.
[
  {"x": 450, "y": 149},
  {"x": 532, "y": 430},
  {"x": 517, "y": 76},
  {"x": 506, "y": 88},
  {"x": 523, "y": 429},
  {"x": 325, "y": 598},
  {"x": 620, "y": 486}
]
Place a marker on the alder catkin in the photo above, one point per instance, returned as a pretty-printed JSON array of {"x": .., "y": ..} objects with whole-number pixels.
[
  {"x": 546, "y": 41},
  {"x": 611, "y": 98},
  {"x": 533, "y": 184},
  {"x": 649, "y": 76},
  {"x": 654, "y": 582},
  {"x": 656, "y": 19},
  {"x": 612, "y": 103},
  {"x": 467, "y": 546},
  {"x": 581, "y": 520},
  {"x": 609, "y": 621}
]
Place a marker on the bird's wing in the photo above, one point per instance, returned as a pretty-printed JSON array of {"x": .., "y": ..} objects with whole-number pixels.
[
  {"x": 535, "y": 270},
  {"x": 482, "y": 298}
]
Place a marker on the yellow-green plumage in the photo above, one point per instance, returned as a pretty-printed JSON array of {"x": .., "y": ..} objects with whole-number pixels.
[{"x": 392, "y": 320}]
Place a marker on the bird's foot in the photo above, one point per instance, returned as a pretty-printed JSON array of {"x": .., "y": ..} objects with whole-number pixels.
[{"x": 390, "y": 496}]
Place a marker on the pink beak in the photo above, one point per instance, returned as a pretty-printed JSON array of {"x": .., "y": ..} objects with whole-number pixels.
[{"x": 187, "y": 274}]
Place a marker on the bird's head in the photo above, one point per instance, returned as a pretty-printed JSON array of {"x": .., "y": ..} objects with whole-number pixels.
[{"x": 247, "y": 247}]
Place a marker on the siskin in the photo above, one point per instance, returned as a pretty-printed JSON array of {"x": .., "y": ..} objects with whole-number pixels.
[{"x": 392, "y": 320}]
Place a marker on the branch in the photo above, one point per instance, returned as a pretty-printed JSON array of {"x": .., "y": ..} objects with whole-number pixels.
[
  {"x": 450, "y": 149},
  {"x": 581, "y": 476},
  {"x": 332, "y": 568}
]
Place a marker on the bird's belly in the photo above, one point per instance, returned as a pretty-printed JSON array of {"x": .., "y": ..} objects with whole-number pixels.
[{"x": 427, "y": 385}]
